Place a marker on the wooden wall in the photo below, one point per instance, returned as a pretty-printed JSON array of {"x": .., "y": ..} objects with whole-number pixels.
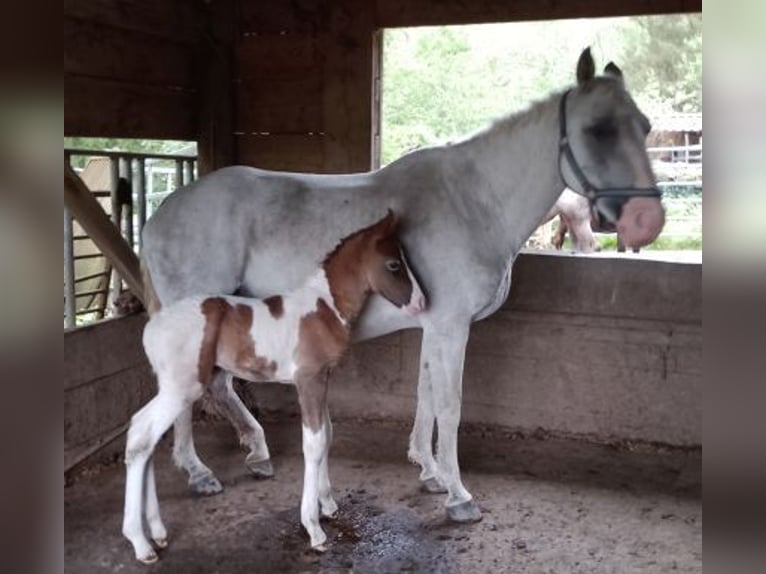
[
  {"x": 304, "y": 76},
  {"x": 281, "y": 84},
  {"x": 129, "y": 68}
]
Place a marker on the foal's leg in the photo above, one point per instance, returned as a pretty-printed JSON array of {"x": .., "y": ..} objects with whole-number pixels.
[
  {"x": 312, "y": 395},
  {"x": 157, "y": 530},
  {"x": 250, "y": 432},
  {"x": 146, "y": 429},
  {"x": 444, "y": 349},
  {"x": 327, "y": 503},
  {"x": 201, "y": 479}
]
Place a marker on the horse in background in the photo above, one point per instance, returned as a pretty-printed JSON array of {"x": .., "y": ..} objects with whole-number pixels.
[{"x": 576, "y": 218}]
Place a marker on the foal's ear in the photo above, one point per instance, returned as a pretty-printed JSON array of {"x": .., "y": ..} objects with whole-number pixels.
[
  {"x": 389, "y": 223},
  {"x": 586, "y": 67},
  {"x": 613, "y": 71}
]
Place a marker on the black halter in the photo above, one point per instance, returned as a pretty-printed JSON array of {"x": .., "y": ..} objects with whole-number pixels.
[{"x": 618, "y": 195}]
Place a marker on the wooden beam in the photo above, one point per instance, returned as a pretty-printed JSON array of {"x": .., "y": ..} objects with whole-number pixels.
[
  {"x": 215, "y": 125},
  {"x": 89, "y": 214},
  {"x": 403, "y": 13}
]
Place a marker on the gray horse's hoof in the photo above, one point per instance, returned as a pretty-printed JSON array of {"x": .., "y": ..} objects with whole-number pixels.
[
  {"x": 261, "y": 468},
  {"x": 432, "y": 486},
  {"x": 205, "y": 485},
  {"x": 464, "y": 512}
]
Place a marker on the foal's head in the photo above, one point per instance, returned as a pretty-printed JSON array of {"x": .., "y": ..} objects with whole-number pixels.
[{"x": 372, "y": 259}]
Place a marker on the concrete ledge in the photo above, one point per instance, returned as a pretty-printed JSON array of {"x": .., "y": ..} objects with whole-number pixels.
[
  {"x": 602, "y": 349},
  {"x": 606, "y": 349}
]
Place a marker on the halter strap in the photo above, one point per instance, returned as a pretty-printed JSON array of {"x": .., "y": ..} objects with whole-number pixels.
[{"x": 587, "y": 188}]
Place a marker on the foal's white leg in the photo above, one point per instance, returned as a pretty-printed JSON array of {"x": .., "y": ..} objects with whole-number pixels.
[
  {"x": 327, "y": 503},
  {"x": 445, "y": 351},
  {"x": 146, "y": 429},
  {"x": 250, "y": 431},
  {"x": 201, "y": 478},
  {"x": 313, "y": 450},
  {"x": 157, "y": 530}
]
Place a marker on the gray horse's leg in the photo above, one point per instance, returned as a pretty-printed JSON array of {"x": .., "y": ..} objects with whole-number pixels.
[
  {"x": 421, "y": 438},
  {"x": 201, "y": 479},
  {"x": 444, "y": 350},
  {"x": 249, "y": 430}
]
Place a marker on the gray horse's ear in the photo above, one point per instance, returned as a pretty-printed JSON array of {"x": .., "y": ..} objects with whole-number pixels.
[
  {"x": 586, "y": 67},
  {"x": 611, "y": 69}
]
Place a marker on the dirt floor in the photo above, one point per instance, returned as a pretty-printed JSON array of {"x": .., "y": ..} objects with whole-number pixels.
[{"x": 549, "y": 506}]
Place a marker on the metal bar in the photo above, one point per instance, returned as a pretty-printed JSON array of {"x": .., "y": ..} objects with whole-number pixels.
[
  {"x": 87, "y": 256},
  {"x": 97, "y": 311},
  {"x": 179, "y": 173},
  {"x": 92, "y": 292},
  {"x": 91, "y": 276},
  {"x": 116, "y": 211},
  {"x": 189, "y": 168},
  {"x": 126, "y": 171},
  {"x": 139, "y": 188},
  {"x": 69, "y": 297},
  {"x": 126, "y": 154}
]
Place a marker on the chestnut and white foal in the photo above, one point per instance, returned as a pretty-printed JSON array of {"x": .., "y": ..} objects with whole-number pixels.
[{"x": 295, "y": 338}]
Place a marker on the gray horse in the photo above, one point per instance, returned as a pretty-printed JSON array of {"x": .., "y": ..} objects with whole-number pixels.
[{"x": 467, "y": 208}]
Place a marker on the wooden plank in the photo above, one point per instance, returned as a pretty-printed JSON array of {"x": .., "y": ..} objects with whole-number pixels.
[
  {"x": 101, "y": 108},
  {"x": 89, "y": 213},
  {"x": 176, "y": 19},
  {"x": 277, "y": 56},
  {"x": 348, "y": 73},
  {"x": 276, "y": 16},
  {"x": 94, "y": 49},
  {"x": 401, "y": 13},
  {"x": 287, "y": 152},
  {"x": 281, "y": 105}
]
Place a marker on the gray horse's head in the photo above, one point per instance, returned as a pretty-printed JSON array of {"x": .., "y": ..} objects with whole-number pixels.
[{"x": 606, "y": 134}]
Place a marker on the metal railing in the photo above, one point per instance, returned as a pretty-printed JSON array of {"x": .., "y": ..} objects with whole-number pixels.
[{"x": 130, "y": 186}]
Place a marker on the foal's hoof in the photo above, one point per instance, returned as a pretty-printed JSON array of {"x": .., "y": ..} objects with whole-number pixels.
[
  {"x": 160, "y": 542},
  {"x": 432, "y": 486},
  {"x": 149, "y": 558},
  {"x": 260, "y": 468},
  {"x": 205, "y": 485},
  {"x": 464, "y": 512}
]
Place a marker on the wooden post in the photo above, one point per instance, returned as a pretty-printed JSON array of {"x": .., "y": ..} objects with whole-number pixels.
[
  {"x": 88, "y": 212},
  {"x": 215, "y": 141}
]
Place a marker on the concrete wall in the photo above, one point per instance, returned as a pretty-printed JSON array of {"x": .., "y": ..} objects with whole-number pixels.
[
  {"x": 106, "y": 379},
  {"x": 606, "y": 348}
]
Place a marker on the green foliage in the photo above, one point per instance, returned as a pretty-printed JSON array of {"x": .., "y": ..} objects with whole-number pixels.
[
  {"x": 445, "y": 82},
  {"x": 663, "y": 61}
]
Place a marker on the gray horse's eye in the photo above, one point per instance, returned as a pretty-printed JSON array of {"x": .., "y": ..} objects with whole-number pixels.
[{"x": 393, "y": 265}]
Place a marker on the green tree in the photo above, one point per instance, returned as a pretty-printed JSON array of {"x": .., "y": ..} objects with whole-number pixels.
[{"x": 663, "y": 61}]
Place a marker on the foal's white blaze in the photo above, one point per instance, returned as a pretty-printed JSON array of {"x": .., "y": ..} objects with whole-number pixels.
[{"x": 417, "y": 303}]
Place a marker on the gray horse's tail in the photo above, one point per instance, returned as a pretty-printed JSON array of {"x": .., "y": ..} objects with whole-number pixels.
[{"x": 151, "y": 301}]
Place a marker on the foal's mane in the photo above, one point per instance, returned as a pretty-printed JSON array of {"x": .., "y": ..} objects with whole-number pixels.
[{"x": 348, "y": 238}]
